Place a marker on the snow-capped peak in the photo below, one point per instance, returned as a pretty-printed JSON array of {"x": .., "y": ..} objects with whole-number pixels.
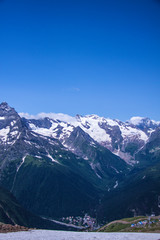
[
  {"x": 5, "y": 106},
  {"x": 112, "y": 134}
]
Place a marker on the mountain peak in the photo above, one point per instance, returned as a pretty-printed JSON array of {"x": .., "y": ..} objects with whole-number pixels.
[
  {"x": 6, "y": 110},
  {"x": 4, "y": 105}
]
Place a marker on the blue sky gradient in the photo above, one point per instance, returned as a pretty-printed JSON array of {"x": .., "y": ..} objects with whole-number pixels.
[{"x": 81, "y": 56}]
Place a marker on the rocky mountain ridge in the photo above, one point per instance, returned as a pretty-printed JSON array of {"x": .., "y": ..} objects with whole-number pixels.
[
  {"x": 39, "y": 169},
  {"x": 123, "y": 139},
  {"x": 57, "y": 165}
]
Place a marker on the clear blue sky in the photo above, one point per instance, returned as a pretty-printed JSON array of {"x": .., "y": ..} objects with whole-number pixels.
[{"x": 81, "y": 56}]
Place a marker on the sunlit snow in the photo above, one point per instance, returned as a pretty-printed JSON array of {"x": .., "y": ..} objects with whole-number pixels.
[
  {"x": 13, "y": 123},
  {"x": 4, "y": 132},
  {"x": 128, "y": 131},
  {"x": 2, "y": 118},
  {"x": 93, "y": 129},
  {"x": 23, "y": 159},
  {"x": 52, "y": 131},
  {"x": 53, "y": 160},
  {"x": 116, "y": 185},
  {"x": 89, "y": 123},
  {"x": 14, "y": 133},
  {"x": 98, "y": 128},
  {"x": 63, "y": 235}
]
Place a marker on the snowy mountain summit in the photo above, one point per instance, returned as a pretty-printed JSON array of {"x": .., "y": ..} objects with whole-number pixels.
[
  {"x": 124, "y": 139},
  {"x": 10, "y": 124}
]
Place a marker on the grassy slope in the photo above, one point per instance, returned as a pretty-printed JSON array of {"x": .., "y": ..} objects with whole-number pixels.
[
  {"x": 57, "y": 190},
  {"x": 124, "y": 225}
]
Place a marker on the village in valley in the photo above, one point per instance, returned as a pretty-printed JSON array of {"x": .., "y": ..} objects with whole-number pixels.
[{"x": 84, "y": 222}]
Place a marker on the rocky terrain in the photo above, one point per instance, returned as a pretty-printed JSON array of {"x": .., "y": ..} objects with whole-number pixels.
[{"x": 5, "y": 228}]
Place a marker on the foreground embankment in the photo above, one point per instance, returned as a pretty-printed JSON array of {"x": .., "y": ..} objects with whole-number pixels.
[{"x": 63, "y": 235}]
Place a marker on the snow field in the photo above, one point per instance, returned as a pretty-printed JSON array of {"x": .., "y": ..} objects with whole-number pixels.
[{"x": 63, "y": 235}]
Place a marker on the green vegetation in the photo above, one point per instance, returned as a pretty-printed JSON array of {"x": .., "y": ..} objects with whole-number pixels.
[
  {"x": 115, "y": 227},
  {"x": 136, "y": 224},
  {"x": 12, "y": 213},
  {"x": 133, "y": 218},
  {"x": 138, "y": 193},
  {"x": 66, "y": 186},
  {"x": 69, "y": 187}
]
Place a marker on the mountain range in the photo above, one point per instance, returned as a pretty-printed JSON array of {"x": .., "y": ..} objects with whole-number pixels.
[{"x": 57, "y": 165}]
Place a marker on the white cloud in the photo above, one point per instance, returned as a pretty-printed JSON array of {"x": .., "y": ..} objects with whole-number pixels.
[
  {"x": 58, "y": 116},
  {"x": 136, "y": 120},
  {"x": 27, "y": 115}
]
